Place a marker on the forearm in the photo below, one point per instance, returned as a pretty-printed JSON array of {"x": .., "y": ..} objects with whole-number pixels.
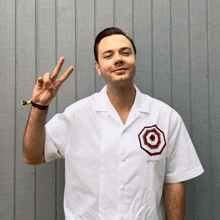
[
  {"x": 174, "y": 201},
  {"x": 34, "y": 137},
  {"x": 175, "y": 214}
]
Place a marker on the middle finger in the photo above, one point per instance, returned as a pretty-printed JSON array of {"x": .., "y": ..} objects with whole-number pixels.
[{"x": 58, "y": 68}]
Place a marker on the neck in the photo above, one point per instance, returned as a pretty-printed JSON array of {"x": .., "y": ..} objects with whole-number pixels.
[{"x": 122, "y": 98}]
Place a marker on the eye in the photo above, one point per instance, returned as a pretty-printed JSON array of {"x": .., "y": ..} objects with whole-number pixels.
[
  {"x": 126, "y": 53},
  {"x": 108, "y": 56}
]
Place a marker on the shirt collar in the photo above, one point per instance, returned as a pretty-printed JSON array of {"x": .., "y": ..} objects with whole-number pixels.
[{"x": 141, "y": 102}]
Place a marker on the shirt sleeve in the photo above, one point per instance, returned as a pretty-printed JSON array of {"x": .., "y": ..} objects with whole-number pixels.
[
  {"x": 182, "y": 160},
  {"x": 56, "y": 136}
]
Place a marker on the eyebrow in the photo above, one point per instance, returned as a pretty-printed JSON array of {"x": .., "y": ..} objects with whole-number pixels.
[{"x": 121, "y": 49}]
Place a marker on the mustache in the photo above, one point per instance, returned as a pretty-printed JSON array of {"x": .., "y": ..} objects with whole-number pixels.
[{"x": 119, "y": 67}]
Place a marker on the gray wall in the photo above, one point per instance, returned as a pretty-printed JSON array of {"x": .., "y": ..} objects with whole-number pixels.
[{"x": 178, "y": 58}]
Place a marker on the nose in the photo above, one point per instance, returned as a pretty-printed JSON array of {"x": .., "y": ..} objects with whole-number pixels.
[{"x": 118, "y": 59}]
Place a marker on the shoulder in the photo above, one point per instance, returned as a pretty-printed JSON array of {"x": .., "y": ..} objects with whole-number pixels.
[
  {"x": 161, "y": 110},
  {"x": 84, "y": 105},
  {"x": 167, "y": 118},
  {"x": 78, "y": 111},
  {"x": 158, "y": 105}
]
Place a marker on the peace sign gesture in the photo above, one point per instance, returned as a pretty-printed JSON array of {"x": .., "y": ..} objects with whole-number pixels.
[{"x": 46, "y": 88}]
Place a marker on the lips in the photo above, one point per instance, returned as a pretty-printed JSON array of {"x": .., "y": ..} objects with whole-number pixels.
[{"x": 120, "y": 69}]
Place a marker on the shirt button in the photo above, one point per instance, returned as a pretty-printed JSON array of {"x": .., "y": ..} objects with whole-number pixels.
[
  {"x": 124, "y": 159},
  {"x": 123, "y": 188},
  {"x": 122, "y": 217}
]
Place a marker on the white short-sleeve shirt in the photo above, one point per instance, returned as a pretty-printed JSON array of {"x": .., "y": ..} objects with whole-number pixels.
[{"x": 115, "y": 170}]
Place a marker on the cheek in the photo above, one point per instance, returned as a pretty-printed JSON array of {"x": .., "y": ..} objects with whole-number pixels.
[
  {"x": 105, "y": 68},
  {"x": 133, "y": 66},
  {"x": 131, "y": 62}
]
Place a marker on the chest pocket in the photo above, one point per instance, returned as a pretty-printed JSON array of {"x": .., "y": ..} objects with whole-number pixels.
[{"x": 152, "y": 140}]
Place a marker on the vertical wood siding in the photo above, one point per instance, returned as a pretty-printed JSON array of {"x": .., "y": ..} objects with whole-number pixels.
[
  {"x": 178, "y": 53},
  {"x": 7, "y": 109}
]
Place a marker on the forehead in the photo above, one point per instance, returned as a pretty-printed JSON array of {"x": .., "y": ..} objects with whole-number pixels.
[{"x": 113, "y": 42}]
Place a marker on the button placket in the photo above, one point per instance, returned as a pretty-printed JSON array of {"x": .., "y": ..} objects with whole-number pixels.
[
  {"x": 123, "y": 188},
  {"x": 121, "y": 176}
]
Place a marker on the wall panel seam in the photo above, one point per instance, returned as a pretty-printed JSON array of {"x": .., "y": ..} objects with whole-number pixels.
[
  {"x": 133, "y": 19},
  {"x": 171, "y": 54},
  {"x": 152, "y": 48},
  {"x": 190, "y": 74},
  {"x": 209, "y": 110},
  {"x": 56, "y": 41},
  {"x": 75, "y": 52},
  {"x": 56, "y": 169},
  {"x": 36, "y": 71},
  {"x": 15, "y": 57},
  {"x": 94, "y": 39},
  {"x": 114, "y": 13}
]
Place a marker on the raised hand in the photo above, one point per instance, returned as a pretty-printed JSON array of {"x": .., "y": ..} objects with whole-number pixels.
[{"x": 46, "y": 88}]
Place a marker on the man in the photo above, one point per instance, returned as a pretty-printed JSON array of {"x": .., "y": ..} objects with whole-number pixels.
[{"x": 127, "y": 155}]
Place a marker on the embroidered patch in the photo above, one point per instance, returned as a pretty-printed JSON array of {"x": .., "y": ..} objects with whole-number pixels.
[{"x": 152, "y": 140}]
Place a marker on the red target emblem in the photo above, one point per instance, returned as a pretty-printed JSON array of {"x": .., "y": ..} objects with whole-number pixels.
[{"x": 152, "y": 140}]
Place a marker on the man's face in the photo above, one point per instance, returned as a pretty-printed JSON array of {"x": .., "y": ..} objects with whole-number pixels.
[{"x": 117, "y": 60}]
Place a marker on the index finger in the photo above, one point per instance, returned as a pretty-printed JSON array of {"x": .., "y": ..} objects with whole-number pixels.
[
  {"x": 58, "y": 68},
  {"x": 66, "y": 74}
]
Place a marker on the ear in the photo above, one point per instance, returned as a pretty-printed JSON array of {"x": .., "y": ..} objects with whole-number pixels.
[{"x": 98, "y": 68}]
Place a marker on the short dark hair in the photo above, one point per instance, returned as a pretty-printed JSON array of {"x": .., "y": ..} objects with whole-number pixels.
[{"x": 107, "y": 32}]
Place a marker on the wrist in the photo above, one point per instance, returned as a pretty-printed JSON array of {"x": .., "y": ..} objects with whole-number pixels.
[
  {"x": 38, "y": 115},
  {"x": 41, "y": 107}
]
